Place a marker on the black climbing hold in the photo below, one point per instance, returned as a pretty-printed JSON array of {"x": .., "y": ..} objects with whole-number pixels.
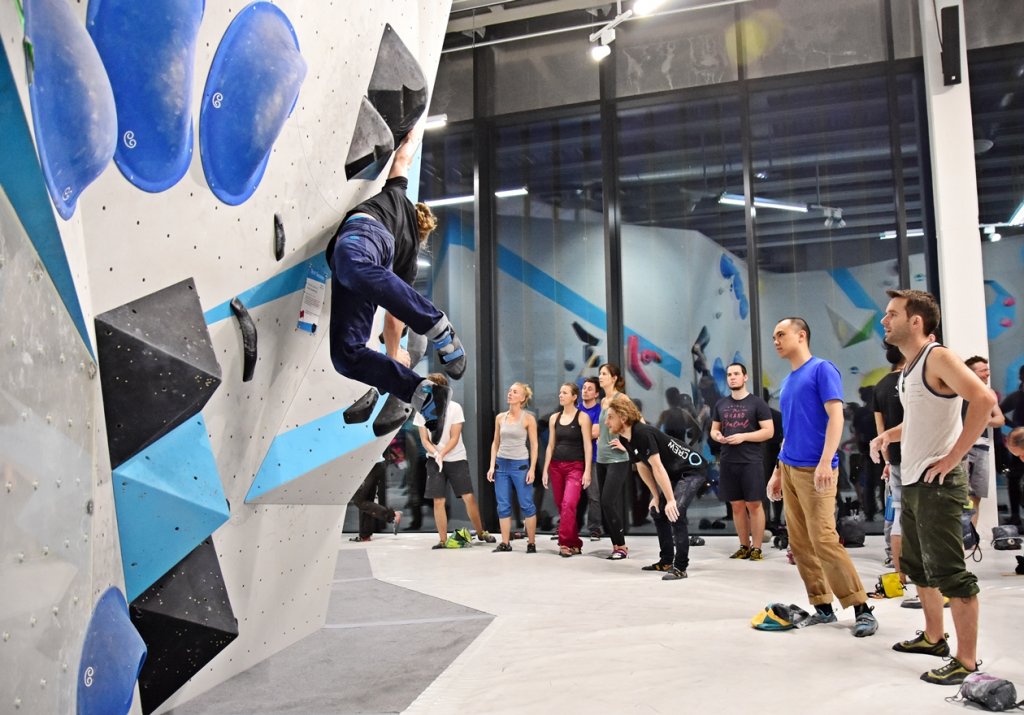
[
  {"x": 278, "y": 237},
  {"x": 372, "y": 144},
  {"x": 185, "y": 619},
  {"x": 392, "y": 416},
  {"x": 157, "y": 367},
  {"x": 361, "y": 409},
  {"x": 398, "y": 89},
  {"x": 248, "y": 328}
]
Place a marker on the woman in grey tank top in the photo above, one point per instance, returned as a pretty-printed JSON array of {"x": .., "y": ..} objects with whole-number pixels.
[
  {"x": 613, "y": 468},
  {"x": 513, "y": 460}
]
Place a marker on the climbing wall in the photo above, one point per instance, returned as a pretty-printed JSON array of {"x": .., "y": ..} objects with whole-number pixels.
[{"x": 170, "y": 434}]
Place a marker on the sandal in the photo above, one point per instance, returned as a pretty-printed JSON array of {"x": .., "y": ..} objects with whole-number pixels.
[
  {"x": 565, "y": 551},
  {"x": 617, "y": 555}
]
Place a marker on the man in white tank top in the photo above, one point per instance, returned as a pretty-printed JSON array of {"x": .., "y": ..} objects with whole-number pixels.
[{"x": 933, "y": 443}]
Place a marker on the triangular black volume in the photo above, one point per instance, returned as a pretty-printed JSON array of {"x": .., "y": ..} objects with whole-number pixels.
[
  {"x": 157, "y": 367},
  {"x": 371, "y": 147},
  {"x": 398, "y": 88},
  {"x": 185, "y": 619}
]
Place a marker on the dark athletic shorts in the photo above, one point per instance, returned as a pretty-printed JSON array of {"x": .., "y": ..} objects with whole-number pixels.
[
  {"x": 454, "y": 473},
  {"x": 741, "y": 482}
]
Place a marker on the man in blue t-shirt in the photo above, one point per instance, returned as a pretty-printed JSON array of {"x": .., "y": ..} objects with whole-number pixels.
[
  {"x": 590, "y": 403},
  {"x": 807, "y": 474}
]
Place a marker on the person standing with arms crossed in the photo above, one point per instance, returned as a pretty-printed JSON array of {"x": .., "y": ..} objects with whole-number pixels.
[
  {"x": 742, "y": 423},
  {"x": 933, "y": 443},
  {"x": 807, "y": 474}
]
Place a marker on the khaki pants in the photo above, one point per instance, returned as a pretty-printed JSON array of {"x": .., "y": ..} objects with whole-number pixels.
[{"x": 824, "y": 565}]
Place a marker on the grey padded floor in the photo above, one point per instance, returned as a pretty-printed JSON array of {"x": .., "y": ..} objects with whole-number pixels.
[{"x": 381, "y": 647}]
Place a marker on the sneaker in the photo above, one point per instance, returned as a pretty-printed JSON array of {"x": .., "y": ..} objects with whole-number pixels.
[
  {"x": 865, "y": 625},
  {"x": 595, "y": 535},
  {"x": 394, "y": 524},
  {"x": 673, "y": 574},
  {"x": 819, "y": 617},
  {"x": 440, "y": 545},
  {"x": 915, "y": 602},
  {"x": 755, "y": 555},
  {"x": 360, "y": 538},
  {"x": 486, "y": 537},
  {"x": 921, "y": 644},
  {"x": 952, "y": 673},
  {"x": 502, "y": 547},
  {"x": 531, "y": 548},
  {"x": 450, "y": 353},
  {"x": 888, "y": 562},
  {"x": 657, "y": 567},
  {"x": 742, "y": 552}
]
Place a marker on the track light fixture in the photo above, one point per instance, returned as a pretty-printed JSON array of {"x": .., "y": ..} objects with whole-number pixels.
[{"x": 605, "y": 36}]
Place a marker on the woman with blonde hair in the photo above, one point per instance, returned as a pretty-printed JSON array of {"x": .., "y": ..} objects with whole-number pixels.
[
  {"x": 567, "y": 465},
  {"x": 513, "y": 460}
]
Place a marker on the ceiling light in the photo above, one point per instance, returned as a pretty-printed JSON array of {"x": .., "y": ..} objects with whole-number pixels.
[
  {"x": 507, "y": 193},
  {"x": 646, "y": 7},
  {"x": 435, "y": 122},
  {"x": 468, "y": 199},
  {"x": 450, "y": 201},
  {"x": 761, "y": 203},
  {"x": 599, "y": 52},
  {"x": 912, "y": 233},
  {"x": 606, "y": 35}
]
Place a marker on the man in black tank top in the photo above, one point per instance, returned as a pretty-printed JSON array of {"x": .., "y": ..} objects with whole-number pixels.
[{"x": 672, "y": 472}]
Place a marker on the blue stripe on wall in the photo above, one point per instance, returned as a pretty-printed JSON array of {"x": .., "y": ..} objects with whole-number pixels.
[
  {"x": 513, "y": 264},
  {"x": 309, "y": 446},
  {"x": 288, "y": 281},
  {"x": 22, "y": 180},
  {"x": 858, "y": 296}
]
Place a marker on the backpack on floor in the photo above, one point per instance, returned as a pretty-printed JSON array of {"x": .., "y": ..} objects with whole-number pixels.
[
  {"x": 851, "y": 531},
  {"x": 1006, "y": 538},
  {"x": 987, "y": 691},
  {"x": 779, "y": 617}
]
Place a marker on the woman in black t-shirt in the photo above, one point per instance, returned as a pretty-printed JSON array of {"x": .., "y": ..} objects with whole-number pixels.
[
  {"x": 567, "y": 465},
  {"x": 672, "y": 472}
]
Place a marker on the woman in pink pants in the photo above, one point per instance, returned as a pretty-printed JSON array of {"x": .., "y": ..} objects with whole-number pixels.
[{"x": 567, "y": 465}]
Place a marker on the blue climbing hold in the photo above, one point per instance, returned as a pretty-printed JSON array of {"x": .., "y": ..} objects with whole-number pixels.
[
  {"x": 112, "y": 657},
  {"x": 72, "y": 102},
  {"x": 149, "y": 51},
  {"x": 250, "y": 92}
]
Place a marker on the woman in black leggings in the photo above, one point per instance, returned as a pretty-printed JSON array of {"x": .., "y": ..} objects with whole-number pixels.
[{"x": 613, "y": 468}]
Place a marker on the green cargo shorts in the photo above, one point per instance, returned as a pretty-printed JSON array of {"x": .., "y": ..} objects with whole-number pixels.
[{"x": 933, "y": 542}]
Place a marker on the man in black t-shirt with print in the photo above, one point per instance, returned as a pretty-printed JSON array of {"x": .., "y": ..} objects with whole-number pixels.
[
  {"x": 742, "y": 423},
  {"x": 888, "y": 413},
  {"x": 373, "y": 263},
  {"x": 672, "y": 472}
]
